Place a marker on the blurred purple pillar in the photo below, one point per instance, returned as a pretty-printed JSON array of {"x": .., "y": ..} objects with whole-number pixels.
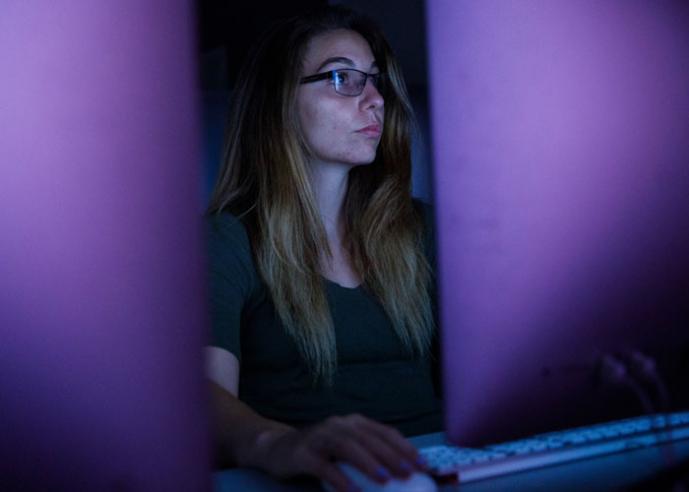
[
  {"x": 101, "y": 287},
  {"x": 561, "y": 154}
]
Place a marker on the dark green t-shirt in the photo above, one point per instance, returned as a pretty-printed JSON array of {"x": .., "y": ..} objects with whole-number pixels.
[{"x": 375, "y": 377}]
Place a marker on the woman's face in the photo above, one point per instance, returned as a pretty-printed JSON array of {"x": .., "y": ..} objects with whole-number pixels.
[{"x": 339, "y": 129}]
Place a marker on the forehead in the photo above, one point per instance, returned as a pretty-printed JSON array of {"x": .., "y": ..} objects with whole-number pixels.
[{"x": 335, "y": 44}]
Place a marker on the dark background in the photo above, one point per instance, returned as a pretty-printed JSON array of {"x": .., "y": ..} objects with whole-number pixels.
[{"x": 228, "y": 29}]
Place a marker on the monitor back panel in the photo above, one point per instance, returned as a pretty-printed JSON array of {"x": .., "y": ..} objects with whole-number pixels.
[
  {"x": 561, "y": 167},
  {"x": 101, "y": 284}
]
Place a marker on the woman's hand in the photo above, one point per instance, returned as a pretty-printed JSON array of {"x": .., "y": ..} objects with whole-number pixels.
[
  {"x": 247, "y": 439},
  {"x": 376, "y": 449}
]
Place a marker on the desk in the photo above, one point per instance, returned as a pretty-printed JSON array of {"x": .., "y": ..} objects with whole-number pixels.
[{"x": 621, "y": 471}]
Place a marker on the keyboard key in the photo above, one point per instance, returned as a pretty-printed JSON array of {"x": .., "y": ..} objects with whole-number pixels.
[{"x": 556, "y": 447}]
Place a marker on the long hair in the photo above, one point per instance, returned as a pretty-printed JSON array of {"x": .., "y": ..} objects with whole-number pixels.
[{"x": 264, "y": 180}]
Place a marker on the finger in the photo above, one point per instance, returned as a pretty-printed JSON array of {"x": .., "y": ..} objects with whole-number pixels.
[
  {"x": 392, "y": 436},
  {"x": 340, "y": 441},
  {"x": 359, "y": 456},
  {"x": 384, "y": 451},
  {"x": 404, "y": 451},
  {"x": 327, "y": 471}
]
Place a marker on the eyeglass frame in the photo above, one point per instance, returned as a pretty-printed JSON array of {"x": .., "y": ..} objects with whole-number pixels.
[{"x": 330, "y": 74}]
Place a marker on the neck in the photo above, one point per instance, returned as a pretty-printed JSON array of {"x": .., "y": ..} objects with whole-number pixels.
[{"x": 330, "y": 182}]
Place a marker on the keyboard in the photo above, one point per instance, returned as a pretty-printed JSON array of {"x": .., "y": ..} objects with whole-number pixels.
[{"x": 471, "y": 464}]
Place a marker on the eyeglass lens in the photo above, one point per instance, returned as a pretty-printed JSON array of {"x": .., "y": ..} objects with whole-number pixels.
[{"x": 351, "y": 82}]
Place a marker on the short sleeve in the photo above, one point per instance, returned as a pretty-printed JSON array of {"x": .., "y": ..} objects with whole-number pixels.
[{"x": 231, "y": 278}]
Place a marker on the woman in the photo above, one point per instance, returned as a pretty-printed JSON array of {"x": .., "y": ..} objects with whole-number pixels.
[{"x": 320, "y": 279}]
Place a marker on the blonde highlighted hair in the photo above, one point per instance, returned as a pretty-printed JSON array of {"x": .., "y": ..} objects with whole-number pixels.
[{"x": 264, "y": 180}]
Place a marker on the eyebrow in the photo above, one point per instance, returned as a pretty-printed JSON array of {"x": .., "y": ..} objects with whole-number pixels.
[{"x": 340, "y": 59}]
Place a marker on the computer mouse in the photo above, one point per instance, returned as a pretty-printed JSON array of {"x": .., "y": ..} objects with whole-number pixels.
[{"x": 416, "y": 482}]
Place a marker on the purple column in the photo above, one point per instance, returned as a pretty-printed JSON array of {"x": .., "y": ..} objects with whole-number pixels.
[
  {"x": 561, "y": 146},
  {"x": 101, "y": 288}
]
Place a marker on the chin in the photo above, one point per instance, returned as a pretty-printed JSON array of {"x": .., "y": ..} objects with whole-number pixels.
[
  {"x": 363, "y": 162},
  {"x": 366, "y": 158},
  {"x": 363, "y": 157}
]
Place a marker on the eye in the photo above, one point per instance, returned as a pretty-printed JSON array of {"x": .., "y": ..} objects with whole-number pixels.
[{"x": 341, "y": 77}]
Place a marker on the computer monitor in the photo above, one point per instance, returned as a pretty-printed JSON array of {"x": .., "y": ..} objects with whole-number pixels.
[
  {"x": 101, "y": 282},
  {"x": 561, "y": 159}
]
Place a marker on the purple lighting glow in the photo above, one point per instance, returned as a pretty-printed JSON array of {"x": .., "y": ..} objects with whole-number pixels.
[
  {"x": 101, "y": 288},
  {"x": 561, "y": 134}
]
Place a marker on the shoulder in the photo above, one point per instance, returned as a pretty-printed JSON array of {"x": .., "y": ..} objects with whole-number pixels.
[
  {"x": 224, "y": 221},
  {"x": 223, "y": 227},
  {"x": 227, "y": 242}
]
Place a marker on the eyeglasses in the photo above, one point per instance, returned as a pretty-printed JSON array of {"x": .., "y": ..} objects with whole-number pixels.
[{"x": 347, "y": 81}]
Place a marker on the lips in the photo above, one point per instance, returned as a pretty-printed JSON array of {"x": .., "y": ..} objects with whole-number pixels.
[{"x": 371, "y": 130}]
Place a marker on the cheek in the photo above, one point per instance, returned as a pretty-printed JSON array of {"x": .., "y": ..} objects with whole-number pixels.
[{"x": 319, "y": 124}]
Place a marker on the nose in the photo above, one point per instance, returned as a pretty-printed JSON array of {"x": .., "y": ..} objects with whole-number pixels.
[{"x": 371, "y": 97}]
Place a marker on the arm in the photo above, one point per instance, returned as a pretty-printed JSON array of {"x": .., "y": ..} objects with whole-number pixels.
[
  {"x": 237, "y": 429},
  {"x": 246, "y": 439}
]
